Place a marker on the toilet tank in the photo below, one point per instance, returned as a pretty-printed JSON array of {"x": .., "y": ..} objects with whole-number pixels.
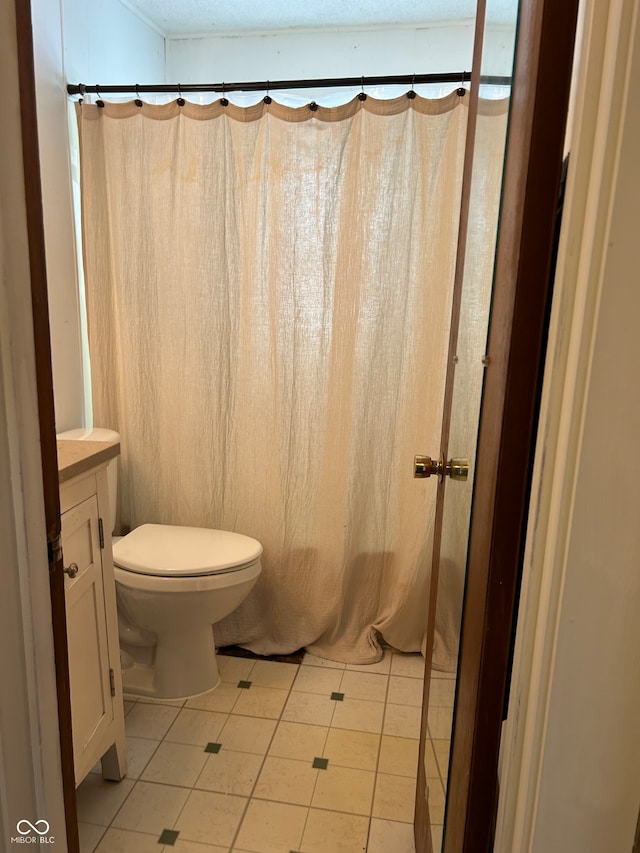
[{"x": 99, "y": 434}]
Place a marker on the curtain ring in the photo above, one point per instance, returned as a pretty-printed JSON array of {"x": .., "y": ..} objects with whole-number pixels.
[
  {"x": 82, "y": 92},
  {"x": 223, "y": 101},
  {"x": 99, "y": 102},
  {"x": 267, "y": 98},
  {"x": 361, "y": 95},
  {"x": 137, "y": 101},
  {"x": 180, "y": 99},
  {"x": 461, "y": 91},
  {"x": 412, "y": 93},
  {"x": 313, "y": 106}
]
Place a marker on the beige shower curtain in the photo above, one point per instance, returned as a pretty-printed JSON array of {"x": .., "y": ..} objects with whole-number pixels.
[{"x": 268, "y": 297}]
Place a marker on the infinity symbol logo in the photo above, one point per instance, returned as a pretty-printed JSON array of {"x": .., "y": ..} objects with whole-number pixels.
[{"x": 31, "y": 827}]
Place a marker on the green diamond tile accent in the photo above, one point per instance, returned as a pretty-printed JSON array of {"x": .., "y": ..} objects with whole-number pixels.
[
  {"x": 168, "y": 836},
  {"x": 337, "y": 697},
  {"x": 320, "y": 763},
  {"x": 213, "y": 747},
  {"x": 244, "y": 684}
]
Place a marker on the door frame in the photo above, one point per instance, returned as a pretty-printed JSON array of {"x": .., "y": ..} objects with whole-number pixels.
[
  {"x": 492, "y": 458},
  {"x": 515, "y": 361},
  {"x": 37, "y": 423},
  {"x": 602, "y": 103}
]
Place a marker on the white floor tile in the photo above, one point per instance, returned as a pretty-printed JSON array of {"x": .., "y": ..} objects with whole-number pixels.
[
  {"x": 286, "y": 780},
  {"x": 247, "y": 734},
  {"x": 139, "y": 752},
  {"x": 99, "y": 800},
  {"x": 332, "y": 832},
  {"x": 394, "y": 798},
  {"x": 442, "y": 692},
  {"x": 269, "y": 827},
  {"x": 230, "y": 772},
  {"x": 402, "y": 721},
  {"x": 151, "y": 700},
  {"x": 197, "y": 728},
  {"x": 193, "y": 847},
  {"x": 258, "y": 701},
  {"x": 151, "y": 808},
  {"x": 175, "y": 764},
  {"x": 411, "y": 665},
  {"x": 309, "y": 708},
  {"x": 150, "y": 721},
  {"x": 442, "y": 749},
  {"x": 90, "y": 834},
  {"x": 312, "y": 660},
  {"x": 124, "y": 841},
  {"x": 358, "y": 750},
  {"x": 440, "y": 721},
  {"x": 364, "y": 685},
  {"x": 222, "y": 699},
  {"x": 269, "y": 673},
  {"x": 386, "y": 836},
  {"x": 318, "y": 679},
  {"x": 344, "y": 789},
  {"x": 298, "y": 740},
  {"x": 436, "y": 800},
  {"x": 359, "y": 715},
  {"x": 430, "y": 760},
  {"x": 405, "y": 691},
  {"x": 210, "y": 816},
  {"x": 233, "y": 669},
  {"x": 399, "y": 756}
]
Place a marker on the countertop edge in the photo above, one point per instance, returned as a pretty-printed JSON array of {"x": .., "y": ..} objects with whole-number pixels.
[{"x": 79, "y": 457}]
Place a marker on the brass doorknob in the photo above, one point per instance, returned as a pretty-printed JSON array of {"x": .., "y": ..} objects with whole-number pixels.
[{"x": 425, "y": 466}]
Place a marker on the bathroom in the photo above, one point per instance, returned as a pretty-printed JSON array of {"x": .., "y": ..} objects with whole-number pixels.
[{"x": 112, "y": 43}]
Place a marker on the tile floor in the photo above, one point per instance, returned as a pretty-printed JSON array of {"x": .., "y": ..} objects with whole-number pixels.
[{"x": 280, "y": 758}]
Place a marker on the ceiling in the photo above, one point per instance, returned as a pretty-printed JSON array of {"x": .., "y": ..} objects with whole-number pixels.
[{"x": 212, "y": 17}]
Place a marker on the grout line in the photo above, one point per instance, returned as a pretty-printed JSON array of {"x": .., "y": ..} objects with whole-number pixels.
[{"x": 264, "y": 758}]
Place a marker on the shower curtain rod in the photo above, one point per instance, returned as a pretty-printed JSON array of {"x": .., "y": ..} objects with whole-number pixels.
[{"x": 271, "y": 86}]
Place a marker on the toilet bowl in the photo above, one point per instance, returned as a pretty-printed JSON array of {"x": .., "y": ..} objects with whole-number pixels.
[{"x": 172, "y": 584}]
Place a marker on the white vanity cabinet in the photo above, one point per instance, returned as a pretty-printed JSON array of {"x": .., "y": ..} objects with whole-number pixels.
[{"x": 97, "y": 711}]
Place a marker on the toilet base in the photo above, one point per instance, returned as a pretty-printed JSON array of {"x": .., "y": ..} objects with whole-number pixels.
[{"x": 177, "y": 671}]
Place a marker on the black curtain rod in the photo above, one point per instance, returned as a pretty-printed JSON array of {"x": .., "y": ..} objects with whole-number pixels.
[{"x": 272, "y": 86}]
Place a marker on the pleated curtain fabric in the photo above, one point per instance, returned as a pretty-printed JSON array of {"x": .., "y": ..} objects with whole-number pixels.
[{"x": 268, "y": 295}]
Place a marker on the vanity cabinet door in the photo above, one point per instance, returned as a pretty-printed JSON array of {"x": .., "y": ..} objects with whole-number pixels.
[{"x": 89, "y": 672}]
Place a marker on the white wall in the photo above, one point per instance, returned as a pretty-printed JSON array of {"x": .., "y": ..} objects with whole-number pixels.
[
  {"x": 307, "y": 55},
  {"x": 77, "y": 41}
]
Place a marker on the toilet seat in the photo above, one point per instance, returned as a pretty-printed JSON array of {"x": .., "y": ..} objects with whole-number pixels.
[{"x": 169, "y": 551}]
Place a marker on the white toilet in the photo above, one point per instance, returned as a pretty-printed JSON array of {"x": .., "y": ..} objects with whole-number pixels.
[{"x": 172, "y": 584}]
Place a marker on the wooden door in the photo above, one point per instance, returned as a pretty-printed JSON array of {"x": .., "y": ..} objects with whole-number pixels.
[{"x": 512, "y": 370}]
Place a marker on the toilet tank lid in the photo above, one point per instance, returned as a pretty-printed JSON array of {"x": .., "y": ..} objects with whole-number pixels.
[{"x": 168, "y": 550}]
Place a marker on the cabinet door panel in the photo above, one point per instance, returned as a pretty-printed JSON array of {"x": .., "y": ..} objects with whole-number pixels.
[{"x": 91, "y": 705}]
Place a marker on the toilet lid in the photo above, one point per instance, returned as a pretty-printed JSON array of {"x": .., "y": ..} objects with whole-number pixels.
[{"x": 166, "y": 550}]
